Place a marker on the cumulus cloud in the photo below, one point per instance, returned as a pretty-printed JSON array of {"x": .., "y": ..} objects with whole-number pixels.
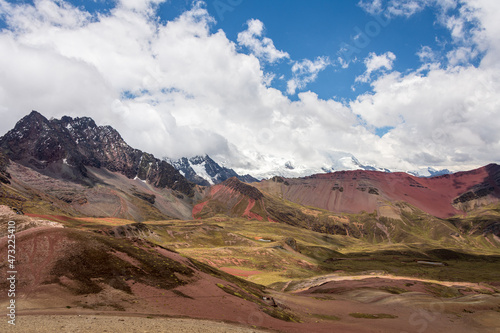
[
  {"x": 179, "y": 89},
  {"x": 426, "y": 54},
  {"x": 373, "y": 7},
  {"x": 306, "y": 71},
  {"x": 139, "y": 5},
  {"x": 444, "y": 113},
  {"x": 262, "y": 47},
  {"x": 461, "y": 18},
  {"x": 174, "y": 89},
  {"x": 438, "y": 117},
  {"x": 405, "y": 8},
  {"x": 375, "y": 63}
]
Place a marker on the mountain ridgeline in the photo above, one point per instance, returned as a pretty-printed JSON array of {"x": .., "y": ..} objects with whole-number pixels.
[
  {"x": 69, "y": 146},
  {"x": 73, "y": 167}
]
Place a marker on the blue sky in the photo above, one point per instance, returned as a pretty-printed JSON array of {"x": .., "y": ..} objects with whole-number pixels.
[
  {"x": 255, "y": 84},
  {"x": 308, "y": 29}
]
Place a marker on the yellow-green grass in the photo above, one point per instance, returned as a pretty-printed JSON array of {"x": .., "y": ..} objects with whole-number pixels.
[{"x": 233, "y": 242}]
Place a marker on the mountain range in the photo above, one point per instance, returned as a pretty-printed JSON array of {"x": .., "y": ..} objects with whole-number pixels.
[
  {"x": 80, "y": 142},
  {"x": 72, "y": 166},
  {"x": 102, "y": 226}
]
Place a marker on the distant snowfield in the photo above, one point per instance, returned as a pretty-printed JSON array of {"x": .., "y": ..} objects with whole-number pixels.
[
  {"x": 201, "y": 171},
  {"x": 269, "y": 166}
]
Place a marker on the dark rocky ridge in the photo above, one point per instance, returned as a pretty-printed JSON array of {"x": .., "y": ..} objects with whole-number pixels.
[
  {"x": 489, "y": 186},
  {"x": 4, "y": 175},
  {"x": 244, "y": 189},
  {"x": 76, "y": 143}
]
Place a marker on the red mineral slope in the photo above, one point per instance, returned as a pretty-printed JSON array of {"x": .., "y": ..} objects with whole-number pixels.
[
  {"x": 356, "y": 191},
  {"x": 233, "y": 198}
]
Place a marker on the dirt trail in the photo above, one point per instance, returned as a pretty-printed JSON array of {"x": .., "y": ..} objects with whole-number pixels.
[
  {"x": 314, "y": 282},
  {"x": 286, "y": 286}
]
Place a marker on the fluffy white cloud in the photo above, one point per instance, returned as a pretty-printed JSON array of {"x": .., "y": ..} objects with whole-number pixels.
[
  {"x": 375, "y": 63},
  {"x": 426, "y": 54},
  {"x": 306, "y": 71},
  {"x": 44, "y": 13},
  {"x": 406, "y": 7},
  {"x": 139, "y": 5},
  {"x": 174, "y": 89},
  {"x": 438, "y": 118},
  {"x": 373, "y": 7},
  {"x": 179, "y": 89},
  {"x": 446, "y": 116},
  {"x": 261, "y": 47},
  {"x": 396, "y": 7}
]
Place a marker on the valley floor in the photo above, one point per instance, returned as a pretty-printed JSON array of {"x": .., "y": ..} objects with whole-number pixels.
[
  {"x": 119, "y": 283},
  {"x": 359, "y": 310}
]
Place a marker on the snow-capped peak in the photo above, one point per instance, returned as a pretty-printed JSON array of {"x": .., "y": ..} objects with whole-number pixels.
[
  {"x": 203, "y": 170},
  {"x": 429, "y": 172}
]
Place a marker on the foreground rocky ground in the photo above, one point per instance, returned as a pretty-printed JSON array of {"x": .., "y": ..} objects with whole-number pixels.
[{"x": 95, "y": 323}]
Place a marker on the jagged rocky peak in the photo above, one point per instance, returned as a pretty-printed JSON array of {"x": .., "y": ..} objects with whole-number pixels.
[
  {"x": 200, "y": 159},
  {"x": 28, "y": 127},
  {"x": 85, "y": 129},
  {"x": 81, "y": 122},
  {"x": 74, "y": 144},
  {"x": 203, "y": 170},
  {"x": 36, "y": 140}
]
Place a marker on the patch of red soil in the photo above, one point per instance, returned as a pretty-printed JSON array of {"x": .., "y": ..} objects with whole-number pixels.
[
  {"x": 255, "y": 216},
  {"x": 215, "y": 189},
  {"x": 198, "y": 208},
  {"x": 250, "y": 205},
  {"x": 239, "y": 272},
  {"x": 37, "y": 249},
  {"x": 249, "y": 214}
]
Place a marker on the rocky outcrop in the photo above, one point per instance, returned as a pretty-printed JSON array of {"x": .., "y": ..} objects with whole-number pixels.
[{"x": 292, "y": 243}]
